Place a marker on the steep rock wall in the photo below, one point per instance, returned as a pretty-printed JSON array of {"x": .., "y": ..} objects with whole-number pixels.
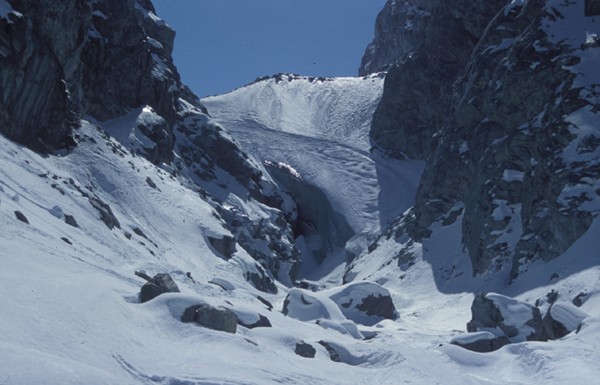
[
  {"x": 110, "y": 60},
  {"x": 501, "y": 98},
  {"x": 416, "y": 98}
]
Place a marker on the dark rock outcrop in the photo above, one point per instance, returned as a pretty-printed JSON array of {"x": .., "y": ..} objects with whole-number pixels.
[
  {"x": 260, "y": 279},
  {"x": 304, "y": 349},
  {"x": 497, "y": 97},
  {"x": 40, "y": 47},
  {"x": 417, "y": 93},
  {"x": 63, "y": 60},
  {"x": 399, "y": 29},
  {"x": 505, "y": 145},
  {"x": 280, "y": 257},
  {"x": 157, "y": 285},
  {"x": 215, "y": 318},
  {"x": 333, "y": 354},
  {"x": 224, "y": 245},
  {"x": 482, "y": 343},
  {"x": 268, "y": 304},
  {"x": 106, "y": 214},
  {"x": 365, "y": 303},
  {"x": 20, "y": 216},
  {"x": 517, "y": 321},
  {"x": 498, "y": 320},
  {"x": 261, "y": 322},
  {"x": 592, "y": 7}
]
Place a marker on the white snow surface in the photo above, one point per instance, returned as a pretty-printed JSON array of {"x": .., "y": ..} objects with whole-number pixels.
[
  {"x": 320, "y": 128},
  {"x": 70, "y": 313}
]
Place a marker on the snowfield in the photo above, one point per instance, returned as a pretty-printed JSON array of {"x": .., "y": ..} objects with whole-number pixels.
[
  {"x": 319, "y": 127},
  {"x": 76, "y": 226},
  {"x": 70, "y": 308}
]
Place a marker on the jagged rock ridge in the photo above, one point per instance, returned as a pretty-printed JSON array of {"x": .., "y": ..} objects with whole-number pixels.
[
  {"x": 110, "y": 61},
  {"x": 500, "y": 98}
]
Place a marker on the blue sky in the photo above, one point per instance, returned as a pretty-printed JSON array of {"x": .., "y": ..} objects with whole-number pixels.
[{"x": 224, "y": 44}]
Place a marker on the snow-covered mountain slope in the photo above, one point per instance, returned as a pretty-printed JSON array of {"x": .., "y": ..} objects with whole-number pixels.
[
  {"x": 160, "y": 192},
  {"x": 320, "y": 128},
  {"x": 71, "y": 315},
  {"x": 70, "y": 312}
]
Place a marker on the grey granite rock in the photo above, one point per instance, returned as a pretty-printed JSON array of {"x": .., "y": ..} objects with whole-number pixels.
[
  {"x": 157, "y": 285},
  {"x": 215, "y": 318}
]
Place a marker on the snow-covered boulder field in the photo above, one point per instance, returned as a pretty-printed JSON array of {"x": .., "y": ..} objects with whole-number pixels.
[{"x": 498, "y": 320}]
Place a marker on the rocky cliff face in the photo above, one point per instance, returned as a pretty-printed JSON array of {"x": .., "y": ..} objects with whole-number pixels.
[
  {"x": 66, "y": 59},
  {"x": 416, "y": 100},
  {"x": 104, "y": 60},
  {"x": 35, "y": 106},
  {"x": 398, "y": 31},
  {"x": 506, "y": 115}
]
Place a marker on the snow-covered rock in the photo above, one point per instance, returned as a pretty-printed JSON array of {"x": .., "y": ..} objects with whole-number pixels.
[
  {"x": 157, "y": 285},
  {"x": 511, "y": 320},
  {"x": 481, "y": 342},
  {"x": 215, "y": 318},
  {"x": 307, "y": 306},
  {"x": 365, "y": 303},
  {"x": 504, "y": 316}
]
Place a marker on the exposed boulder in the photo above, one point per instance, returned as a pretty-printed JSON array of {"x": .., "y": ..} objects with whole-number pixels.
[
  {"x": 304, "y": 349},
  {"x": 215, "y": 318},
  {"x": 306, "y": 306},
  {"x": 561, "y": 319},
  {"x": 498, "y": 320},
  {"x": 20, "y": 216},
  {"x": 106, "y": 214},
  {"x": 333, "y": 354},
  {"x": 504, "y": 316},
  {"x": 252, "y": 320},
  {"x": 481, "y": 342},
  {"x": 261, "y": 280},
  {"x": 581, "y": 298},
  {"x": 157, "y": 285},
  {"x": 224, "y": 245},
  {"x": 70, "y": 220},
  {"x": 365, "y": 303}
]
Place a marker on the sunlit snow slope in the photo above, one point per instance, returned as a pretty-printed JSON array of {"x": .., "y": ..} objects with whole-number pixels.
[
  {"x": 70, "y": 312},
  {"x": 320, "y": 127}
]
